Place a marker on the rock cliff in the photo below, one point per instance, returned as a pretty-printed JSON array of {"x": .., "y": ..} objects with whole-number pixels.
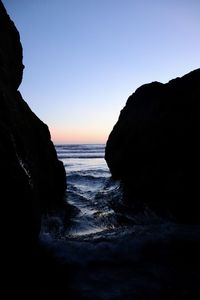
[
  {"x": 32, "y": 178},
  {"x": 154, "y": 149}
]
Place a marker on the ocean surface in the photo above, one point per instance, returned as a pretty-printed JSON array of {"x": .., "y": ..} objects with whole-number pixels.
[
  {"x": 90, "y": 188},
  {"x": 107, "y": 253}
]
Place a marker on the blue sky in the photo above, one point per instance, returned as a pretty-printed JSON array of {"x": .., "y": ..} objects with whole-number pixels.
[{"x": 83, "y": 58}]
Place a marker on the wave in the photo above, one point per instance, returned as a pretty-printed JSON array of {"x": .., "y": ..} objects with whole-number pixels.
[
  {"x": 80, "y": 156},
  {"x": 80, "y": 147},
  {"x": 67, "y": 150},
  {"x": 81, "y": 177}
]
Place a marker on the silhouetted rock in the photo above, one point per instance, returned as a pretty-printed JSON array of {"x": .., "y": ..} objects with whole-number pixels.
[
  {"x": 154, "y": 149},
  {"x": 32, "y": 178}
]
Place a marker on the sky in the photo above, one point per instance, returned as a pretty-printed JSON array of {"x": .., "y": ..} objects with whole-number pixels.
[{"x": 84, "y": 58}]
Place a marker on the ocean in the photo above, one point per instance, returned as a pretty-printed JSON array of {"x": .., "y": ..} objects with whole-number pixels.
[{"x": 90, "y": 188}]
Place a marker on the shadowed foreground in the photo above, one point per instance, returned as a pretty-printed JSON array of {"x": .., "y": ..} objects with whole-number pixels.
[{"x": 151, "y": 263}]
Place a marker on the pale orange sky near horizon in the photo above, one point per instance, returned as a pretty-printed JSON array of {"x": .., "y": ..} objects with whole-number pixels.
[{"x": 77, "y": 136}]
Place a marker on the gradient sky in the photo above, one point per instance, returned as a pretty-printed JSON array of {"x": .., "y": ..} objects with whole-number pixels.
[{"x": 83, "y": 58}]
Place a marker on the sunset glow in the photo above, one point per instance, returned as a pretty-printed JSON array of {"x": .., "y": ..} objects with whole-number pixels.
[{"x": 77, "y": 136}]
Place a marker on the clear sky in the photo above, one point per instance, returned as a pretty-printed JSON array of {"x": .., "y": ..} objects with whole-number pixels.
[{"x": 83, "y": 58}]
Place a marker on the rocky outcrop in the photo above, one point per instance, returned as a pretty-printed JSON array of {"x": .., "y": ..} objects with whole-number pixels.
[
  {"x": 154, "y": 149},
  {"x": 32, "y": 178}
]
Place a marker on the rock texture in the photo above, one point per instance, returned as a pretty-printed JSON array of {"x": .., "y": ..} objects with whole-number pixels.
[
  {"x": 154, "y": 149},
  {"x": 32, "y": 178}
]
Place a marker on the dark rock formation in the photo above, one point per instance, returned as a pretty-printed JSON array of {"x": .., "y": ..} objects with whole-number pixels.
[
  {"x": 154, "y": 149},
  {"x": 32, "y": 178}
]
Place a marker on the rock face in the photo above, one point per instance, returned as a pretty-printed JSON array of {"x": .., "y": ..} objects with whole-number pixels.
[
  {"x": 32, "y": 178},
  {"x": 154, "y": 149}
]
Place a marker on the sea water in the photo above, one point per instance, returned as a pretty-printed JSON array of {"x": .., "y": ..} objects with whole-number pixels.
[{"x": 90, "y": 188}]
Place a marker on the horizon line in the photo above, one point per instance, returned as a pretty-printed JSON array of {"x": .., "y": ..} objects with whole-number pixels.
[{"x": 57, "y": 144}]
